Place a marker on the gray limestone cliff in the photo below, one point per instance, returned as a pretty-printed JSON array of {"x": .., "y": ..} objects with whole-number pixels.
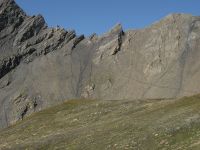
[{"x": 42, "y": 66}]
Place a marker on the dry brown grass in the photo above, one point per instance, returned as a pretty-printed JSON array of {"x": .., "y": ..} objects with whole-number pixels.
[{"x": 92, "y": 124}]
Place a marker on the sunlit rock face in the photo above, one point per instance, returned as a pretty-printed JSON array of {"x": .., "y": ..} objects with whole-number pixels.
[{"x": 42, "y": 66}]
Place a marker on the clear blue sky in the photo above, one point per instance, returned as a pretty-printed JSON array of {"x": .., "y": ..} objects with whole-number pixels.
[{"x": 89, "y": 16}]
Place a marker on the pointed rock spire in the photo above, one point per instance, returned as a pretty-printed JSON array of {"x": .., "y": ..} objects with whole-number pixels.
[
  {"x": 6, "y": 2},
  {"x": 116, "y": 29},
  {"x": 10, "y": 13},
  {"x": 10, "y": 6}
]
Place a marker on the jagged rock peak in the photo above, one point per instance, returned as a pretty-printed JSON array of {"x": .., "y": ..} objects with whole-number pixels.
[
  {"x": 11, "y": 4},
  {"x": 10, "y": 13},
  {"x": 6, "y": 2},
  {"x": 116, "y": 29}
]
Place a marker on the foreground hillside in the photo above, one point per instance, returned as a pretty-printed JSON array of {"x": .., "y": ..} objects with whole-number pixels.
[{"x": 90, "y": 124}]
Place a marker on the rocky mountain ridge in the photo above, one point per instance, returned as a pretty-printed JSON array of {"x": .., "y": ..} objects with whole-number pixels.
[{"x": 42, "y": 66}]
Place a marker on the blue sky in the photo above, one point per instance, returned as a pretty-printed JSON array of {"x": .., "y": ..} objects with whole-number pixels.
[{"x": 89, "y": 16}]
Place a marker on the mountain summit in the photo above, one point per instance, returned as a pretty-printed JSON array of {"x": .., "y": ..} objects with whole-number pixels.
[{"x": 42, "y": 66}]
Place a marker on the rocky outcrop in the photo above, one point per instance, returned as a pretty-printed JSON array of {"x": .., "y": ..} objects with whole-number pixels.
[{"x": 42, "y": 66}]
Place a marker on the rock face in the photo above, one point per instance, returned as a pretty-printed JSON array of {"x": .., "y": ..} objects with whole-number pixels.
[{"x": 42, "y": 66}]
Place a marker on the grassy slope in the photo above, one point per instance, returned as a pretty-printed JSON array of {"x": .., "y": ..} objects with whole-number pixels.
[{"x": 87, "y": 124}]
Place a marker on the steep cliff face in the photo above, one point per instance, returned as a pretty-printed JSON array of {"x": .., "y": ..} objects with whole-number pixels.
[{"x": 42, "y": 66}]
